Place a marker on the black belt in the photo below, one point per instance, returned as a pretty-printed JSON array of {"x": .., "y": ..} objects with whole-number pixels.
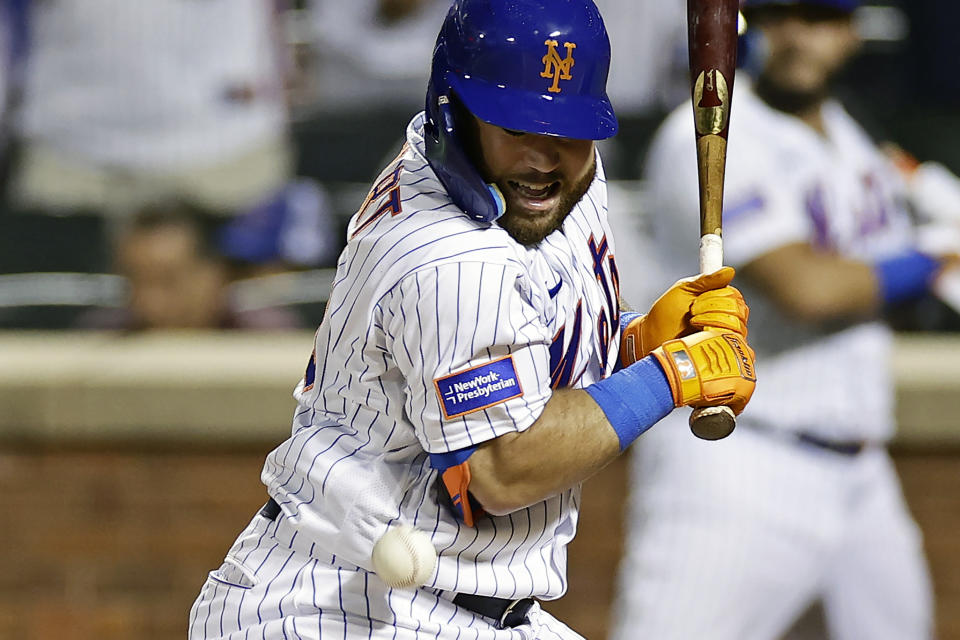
[
  {"x": 271, "y": 510},
  {"x": 507, "y": 613},
  {"x": 843, "y": 447}
]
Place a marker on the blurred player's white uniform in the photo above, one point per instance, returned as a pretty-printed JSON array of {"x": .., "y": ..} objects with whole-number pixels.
[
  {"x": 441, "y": 333},
  {"x": 127, "y": 102},
  {"x": 734, "y": 539}
]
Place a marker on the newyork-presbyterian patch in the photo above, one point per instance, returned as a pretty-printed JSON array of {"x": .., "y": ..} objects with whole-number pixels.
[{"x": 478, "y": 388}]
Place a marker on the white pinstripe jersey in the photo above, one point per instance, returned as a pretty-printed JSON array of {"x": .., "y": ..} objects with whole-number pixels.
[{"x": 442, "y": 333}]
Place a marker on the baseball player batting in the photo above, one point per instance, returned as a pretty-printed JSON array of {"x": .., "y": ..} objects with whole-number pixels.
[
  {"x": 735, "y": 540},
  {"x": 468, "y": 374}
]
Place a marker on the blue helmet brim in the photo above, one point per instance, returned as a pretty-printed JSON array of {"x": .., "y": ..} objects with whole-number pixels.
[{"x": 571, "y": 116}]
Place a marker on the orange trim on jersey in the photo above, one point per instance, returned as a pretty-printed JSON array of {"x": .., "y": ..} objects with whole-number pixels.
[
  {"x": 457, "y": 481},
  {"x": 380, "y": 189}
]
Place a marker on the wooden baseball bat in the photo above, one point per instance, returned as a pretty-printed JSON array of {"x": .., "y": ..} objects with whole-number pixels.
[{"x": 712, "y": 34}]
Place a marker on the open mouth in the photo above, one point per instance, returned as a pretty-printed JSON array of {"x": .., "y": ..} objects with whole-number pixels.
[{"x": 535, "y": 196}]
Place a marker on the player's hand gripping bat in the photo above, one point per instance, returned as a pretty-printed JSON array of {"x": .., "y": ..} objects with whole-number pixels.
[{"x": 712, "y": 31}]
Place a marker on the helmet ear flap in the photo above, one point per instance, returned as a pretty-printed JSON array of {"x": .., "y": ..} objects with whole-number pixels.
[{"x": 447, "y": 156}]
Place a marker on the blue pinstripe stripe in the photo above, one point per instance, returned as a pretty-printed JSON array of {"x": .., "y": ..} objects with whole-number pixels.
[
  {"x": 418, "y": 231},
  {"x": 476, "y": 535},
  {"x": 425, "y": 469},
  {"x": 304, "y": 435},
  {"x": 548, "y": 549},
  {"x": 323, "y": 485},
  {"x": 313, "y": 463},
  {"x": 340, "y": 594},
  {"x": 293, "y": 584},
  {"x": 420, "y": 365},
  {"x": 422, "y": 194},
  {"x": 413, "y": 600},
  {"x": 456, "y": 334},
  {"x": 473, "y": 344},
  {"x": 366, "y": 598},
  {"x": 267, "y": 557},
  {"x": 420, "y": 168},
  {"x": 206, "y": 621},
  {"x": 436, "y": 311},
  {"x": 255, "y": 547},
  {"x": 436, "y": 603},
  {"x": 416, "y": 182},
  {"x": 302, "y": 449}
]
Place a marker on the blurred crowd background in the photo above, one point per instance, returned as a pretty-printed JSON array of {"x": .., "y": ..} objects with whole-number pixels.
[{"x": 192, "y": 163}]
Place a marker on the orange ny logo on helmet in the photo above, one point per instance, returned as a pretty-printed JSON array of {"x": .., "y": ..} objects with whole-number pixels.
[{"x": 556, "y": 67}]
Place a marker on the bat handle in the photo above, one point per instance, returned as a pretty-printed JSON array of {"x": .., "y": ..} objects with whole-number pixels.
[
  {"x": 711, "y": 252},
  {"x": 712, "y": 423}
]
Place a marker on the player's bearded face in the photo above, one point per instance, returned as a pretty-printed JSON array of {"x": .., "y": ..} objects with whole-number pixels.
[
  {"x": 807, "y": 47},
  {"x": 541, "y": 177}
]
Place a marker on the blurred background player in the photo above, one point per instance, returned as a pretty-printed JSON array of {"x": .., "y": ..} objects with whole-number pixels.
[
  {"x": 466, "y": 377},
  {"x": 126, "y": 103},
  {"x": 736, "y": 539}
]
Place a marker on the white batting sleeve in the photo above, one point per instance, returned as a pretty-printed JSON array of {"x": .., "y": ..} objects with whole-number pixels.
[{"x": 474, "y": 353}]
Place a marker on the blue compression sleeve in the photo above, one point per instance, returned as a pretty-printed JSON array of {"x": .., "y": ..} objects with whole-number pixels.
[
  {"x": 634, "y": 399},
  {"x": 905, "y": 276}
]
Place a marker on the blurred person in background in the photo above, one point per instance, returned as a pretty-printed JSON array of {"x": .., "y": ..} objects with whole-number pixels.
[
  {"x": 736, "y": 539},
  {"x": 12, "y": 46},
  {"x": 648, "y": 74},
  {"x": 6, "y": 61},
  {"x": 177, "y": 277},
  {"x": 131, "y": 106},
  {"x": 373, "y": 53},
  {"x": 126, "y": 103},
  {"x": 368, "y": 66}
]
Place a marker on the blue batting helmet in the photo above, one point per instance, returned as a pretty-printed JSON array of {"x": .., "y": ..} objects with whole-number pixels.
[
  {"x": 840, "y": 5},
  {"x": 538, "y": 66}
]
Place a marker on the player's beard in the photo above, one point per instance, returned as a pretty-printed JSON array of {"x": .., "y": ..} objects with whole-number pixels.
[
  {"x": 529, "y": 227},
  {"x": 786, "y": 98},
  {"x": 783, "y": 95}
]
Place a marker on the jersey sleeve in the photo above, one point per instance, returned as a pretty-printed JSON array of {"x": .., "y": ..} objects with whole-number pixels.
[
  {"x": 473, "y": 351},
  {"x": 762, "y": 210}
]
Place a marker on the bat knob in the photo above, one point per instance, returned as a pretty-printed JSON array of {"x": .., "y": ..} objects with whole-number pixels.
[{"x": 712, "y": 423}]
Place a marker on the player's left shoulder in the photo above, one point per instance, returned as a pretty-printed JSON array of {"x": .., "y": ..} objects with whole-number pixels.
[{"x": 848, "y": 133}]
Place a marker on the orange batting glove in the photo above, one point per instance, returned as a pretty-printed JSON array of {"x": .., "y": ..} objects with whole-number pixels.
[
  {"x": 709, "y": 368},
  {"x": 690, "y": 305}
]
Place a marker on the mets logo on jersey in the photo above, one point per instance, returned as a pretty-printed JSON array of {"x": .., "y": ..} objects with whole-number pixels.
[{"x": 556, "y": 67}]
